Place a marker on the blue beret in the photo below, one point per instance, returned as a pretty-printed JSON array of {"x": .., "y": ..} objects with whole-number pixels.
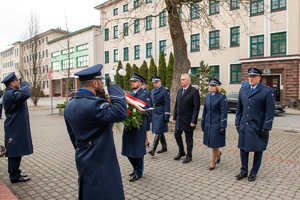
[
  {"x": 137, "y": 77},
  {"x": 9, "y": 78},
  {"x": 254, "y": 72},
  {"x": 90, "y": 73},
  {"x": 214, "y": 81},
  {"x": 155, "y": 79}
]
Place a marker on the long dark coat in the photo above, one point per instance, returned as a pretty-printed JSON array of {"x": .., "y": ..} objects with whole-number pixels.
[
  {"x": 89, "y": 122},
  {"x": 214, "y": 117},
  {"x": 16, "y": 125},
  {"x": 150, "y": 105},
  {"x": 162, "y": 96},
  {"x": 134, "y": 140},
  {"x": 186, "y": 109},
  {"x": 254, "y": 112}
]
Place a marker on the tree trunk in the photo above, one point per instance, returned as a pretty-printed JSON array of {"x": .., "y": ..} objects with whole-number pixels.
[{"x": 181, "y": 62}]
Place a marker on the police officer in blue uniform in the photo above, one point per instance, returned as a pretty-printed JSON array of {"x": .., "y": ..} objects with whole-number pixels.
[
  {"x": 160, "y": 97},
  {"x": 89, "y": 120},
  {"x": 254, "y": 119},
  {"x": 18, "y": 140},
  {"x": 144, "y": 86},
  {"x": 214, "y": 120},
  {"x": 134, "y": 140}
]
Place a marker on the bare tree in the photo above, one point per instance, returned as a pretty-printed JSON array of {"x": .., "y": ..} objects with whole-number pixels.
[{"x": 31, "y": 70}]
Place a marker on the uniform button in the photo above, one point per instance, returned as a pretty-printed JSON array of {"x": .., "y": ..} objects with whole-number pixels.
[
  {"x": 246, "y": 123},
  {"x": 247, "y": 115},
  {"x": 249, "y": 99},
  {"x": 90, "y": 143},
  {"x": 248, "y": 107}
]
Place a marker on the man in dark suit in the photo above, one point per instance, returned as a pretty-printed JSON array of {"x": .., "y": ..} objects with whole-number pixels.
[
  {"x": 185, "y": 116},
  {"x": 133, "y": 145},
  {"x": 18, "y": 140},
  {"x": 254, "y": 119},
  {"x": 89, "y": 120}
]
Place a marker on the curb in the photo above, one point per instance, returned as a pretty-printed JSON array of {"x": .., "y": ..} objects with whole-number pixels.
[{"x": 5, "y": 193}]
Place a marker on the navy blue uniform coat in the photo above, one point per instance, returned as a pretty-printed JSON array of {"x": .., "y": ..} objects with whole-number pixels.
[
  {"x": 89, "y": 122},
  {"x": 162, "y": 96},
  {"x": 16, "y": 125},
  {"x": 254, "y": 112},
  {"x": 134, "y": 140},
  {"x": 186, "y": 109},
  {"x": 214, "y": 117},
  {"x": 150, "y": 104}
]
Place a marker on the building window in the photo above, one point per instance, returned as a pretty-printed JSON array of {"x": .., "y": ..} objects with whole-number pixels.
[
  {"x": 278, "y": 4},
  {"x": 214, "y": 7},
  {"x": 163, "y": 46},
  {"x": 148, "y": 23},
  {"x": 126, "y": 53},
  {"x": 137, "y": 52},
  {"x": 106, "y": 76},
  {"x": 278, "y": 43},
  {"x": 214, "y": 39},
  {"x": 125, "y": 7},
  {"x": 149, "y": 50},
  {"x": 136, "y": 3},
  {"x": 215, "y": 71},
  {"x": 82, "y": 47},
  {"x": 195, "y": 42},
  {"x": 136, "y": 26},
  {"x": 257, "y": 45},
  {"x": 65, "y": 51},
  {"x": 115, "y": 11},
  {"x": 43, "y": 54},
  {"x": 66, "y": 65},
  {"x": 235, "y": 73},
  {"x": 179, "y": 11},
  {"x": 148, "y": 1},
  {"x": 46, "y": 53},
  {"x": 116, "y": 31},
  {"x": 106, "y": 57},
  {"x": 235, "y": 36},
  {"x": 46, "y": 39},
  {"x": 106, "y": 34},
  {"x": 54, "y": 54},
  {"x": 163, "y": 19},
  {"x": 125, "y": 29},
  {"x": 256, "y": 7},
  {"x": 234, "y": 4},
  {"x": 83, "y": 61},
  {"x": 116, "y": 55},
  {"x": 55, "y": 65},
  {"x": 195, "y": 10}
]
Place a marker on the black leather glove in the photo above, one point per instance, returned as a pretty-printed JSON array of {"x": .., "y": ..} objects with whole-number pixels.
[
  {"x": 222, "y": 131},
  {"x": 202, "y": 128},
  {"x": 108, "y": 81},
  {"x": 238, "y": 129},
  {"x": 20, "y": 80},
  {"x": 167, "y": 119},
  {"x": 263, "y": 133},
  {"x": 150, "y": 119}
]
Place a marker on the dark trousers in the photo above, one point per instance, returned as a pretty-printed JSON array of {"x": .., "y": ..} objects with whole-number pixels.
[
  {"x": 256, "y": 161},
  {"x": 188, "y": 139},
  {"x": 0, "y": 110},
  {"x": 13, "y": 167},
  {"x": 137, "y": 164}
]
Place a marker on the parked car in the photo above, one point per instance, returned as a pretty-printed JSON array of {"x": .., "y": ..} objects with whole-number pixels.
[{"x": 232, "y": 99}]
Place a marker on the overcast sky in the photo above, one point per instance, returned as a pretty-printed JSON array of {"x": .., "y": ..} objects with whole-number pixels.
[{"x": 15, "y": 14}]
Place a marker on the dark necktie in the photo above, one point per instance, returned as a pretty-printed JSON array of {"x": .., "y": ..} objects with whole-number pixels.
[{"x": 183, "y": 91}]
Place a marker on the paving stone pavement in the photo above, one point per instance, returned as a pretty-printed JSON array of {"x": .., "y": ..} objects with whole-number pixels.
[{"x": 54, "y": 176}]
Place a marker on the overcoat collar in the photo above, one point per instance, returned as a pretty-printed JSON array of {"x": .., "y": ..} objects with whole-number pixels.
[
  {"x": 81, "y": 93},
  {"x": 138, "y": 92},
  {"x": 216, "y": 96},
  {"x": 158, "y": 90},
  {"x": 258, "y": 88},
  {"x": 187, "y": 90}
]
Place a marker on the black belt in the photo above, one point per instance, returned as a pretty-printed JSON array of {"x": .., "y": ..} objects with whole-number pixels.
[{"x": 157, "y": 104}]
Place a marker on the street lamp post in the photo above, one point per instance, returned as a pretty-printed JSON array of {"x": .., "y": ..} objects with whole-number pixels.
[{"x": 121, "y": 72}]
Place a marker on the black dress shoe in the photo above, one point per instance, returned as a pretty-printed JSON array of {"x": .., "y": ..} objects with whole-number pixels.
[
  {"x": 162, "y": 150},
  {"x": 24, "y": 175},
  {"x": 151, "y": 152},
  {"x": 178, "y": 156},
  {"x": 220, "y": 157},
  {"x": 135, "y": 178},
  {"x": 21, "y": 179},
  {"x": 212, "y": 168},
  {"x": 131, "y": 174},
  {"x": 240, "y": 176},
  {"x": 187, "y": 159},
  {"x": 252, "y": 177}
]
